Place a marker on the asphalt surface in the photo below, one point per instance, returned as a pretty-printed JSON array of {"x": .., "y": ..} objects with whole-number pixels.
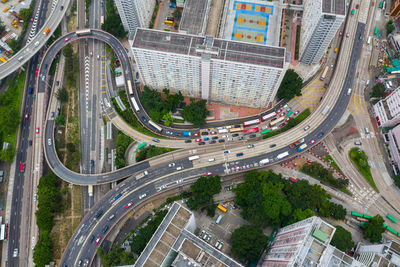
[
  {"x": 160, "y": 177},
  {"x": 14, "y": 232}
]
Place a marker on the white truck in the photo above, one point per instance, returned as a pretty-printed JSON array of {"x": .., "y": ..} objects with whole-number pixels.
[
  {"x": 282, "y": 155},
  {"x": 194, "y": 157},
  {"x": 264, "y": 161},
  {"x": 141, "y": 175}
]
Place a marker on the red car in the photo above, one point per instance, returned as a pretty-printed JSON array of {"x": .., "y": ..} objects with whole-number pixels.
[
  {"x": 297, "y": 112},
  {"x": 288, "y": 118},
  {"x": 67, "y": 39},
  {"x": 196, "y": 134},
  {"x": 32, "y": 19},
  {"x": 27, "y": 116},
  {"x": 208, "y": 173},
  {"x": 340, "y": 33},
  {"x": 282, "y": 114},
  {"x": 347, "y": 35},
  {"x": 312, "y": 141},
  {"x": 96, "y": 242},
  {"x": 213, "y": 132},
  {"x": 129, "y": 204},
  {"x": 37, "y": 130},
  {"x": 197, "y": 140},
  {"x": 37, "y": 72},
  {"x": 281, "y": 125},
  {"x": 91, "y": 53}
]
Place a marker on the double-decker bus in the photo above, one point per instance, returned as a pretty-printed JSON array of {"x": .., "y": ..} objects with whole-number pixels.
[
  {"x": 390, "y": 217},
  {"x": 252, "y": 122},
  {"x": 251, "y": 130},
  {"x": 276, "y": 121},
  {"x": 265, "y": 131},
  {"x": 381, "y": 5},
  {"x": 236, "y": 129},
  {"x": 158, "y": 128},
  {"x": 268, "y": 116},
  {"x": 134, "y": 103},
  {"x": 323, "y": 76},
  {"x": 142, "y": 145},
  {"x": 130, "y": 90}
]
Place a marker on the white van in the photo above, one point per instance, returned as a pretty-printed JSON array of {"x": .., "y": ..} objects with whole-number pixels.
[
  {"x": 211, "y": 160},
  {"x": 349, "y": 91},
  {"x": 367, "y": 83},
  {"x": 366, "y": 131},
  {"x": 179, "y": 168}
]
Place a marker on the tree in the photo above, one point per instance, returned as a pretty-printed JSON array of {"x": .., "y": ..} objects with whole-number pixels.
[
  {"x": 374, "y": 228},
  {"x": 290, "y": 86},
  {"x": 13, "y": 44},
  {"x": 299, "y": 215},
  {"x": 60, "y": 120},
  {"x": 248, "y": 242},
  {"x": 342, "y": 239},
  {"x": 116, "y": 256},
  {"x": 396, "y": 179},
  {"x": 389, "y": 27},
  {"x": 337, "y": 211},
  {"x": 2, "y": 27},
  {"x": 203, "y": 191},
  {"x": 378, "y": 90},
  {"x": 42, "y": 254},
  {"x": 112, "y": 23},
  {"x": 62, "y": 95},
  {"x": 168, "y": 119},
  {"x": 25, "y": 13},
  {"x": 177, "y": 14},
  {"x": 196, "y": 112}
]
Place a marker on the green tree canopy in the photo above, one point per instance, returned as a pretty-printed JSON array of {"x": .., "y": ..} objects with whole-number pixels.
[
  {"x": 248, "y": 242},
  {"x": 290, "y": 86},
  {"x": 374, "y": 228},
  {"x": 60, "y": 120},
  {"x": 62, "y": 95},
  {"x": 116, "y": 256},
  {"x": 42, "y": 255},
  {"x": 389, "y": 27},
  {"x": 112, "y": 23},
  {"x": 25, "y": 13},
  {"x": 378, "y": 90},
  {"x": 342, "y": 239},
  {"x": 203, "y": 191},
  {"x": 196, "y": 112}
]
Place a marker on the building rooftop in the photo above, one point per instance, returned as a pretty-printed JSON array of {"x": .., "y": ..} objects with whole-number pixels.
[
  {"x": 194, "y": 16},
  {"x": 217, "y": 48},
  {"x": 337, "y": 7}
]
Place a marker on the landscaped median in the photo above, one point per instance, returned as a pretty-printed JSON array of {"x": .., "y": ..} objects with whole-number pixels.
[
  {"x": 360, "y": 160},
  {"x": 291, "y": 123}
]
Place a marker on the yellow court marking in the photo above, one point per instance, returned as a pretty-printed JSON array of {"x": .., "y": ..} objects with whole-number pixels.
[
  {"x": 356, "y": 105},
  {"x": 311, "y": 94}
]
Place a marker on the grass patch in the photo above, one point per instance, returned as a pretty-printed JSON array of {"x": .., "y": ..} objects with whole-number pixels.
[
  {"x": 292, "y": 123},
  {"x": 151, "y": 151},
  {"x": 123, "y": 142},
  {"x": 154, "y": 16},
  {"x": 129, "y": 117},
  {"x": 360, "y": 160},
  {"x": 297, "y": 45},
  {"x": 330, "y": 160}
]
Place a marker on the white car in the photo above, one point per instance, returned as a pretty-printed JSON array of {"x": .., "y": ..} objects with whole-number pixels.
[
  {"x": 142, "y": 196},
  {"x": 49, "y": 142},
  {"x": 171, "y": 164},
  {"x": 15, "y": 253}
]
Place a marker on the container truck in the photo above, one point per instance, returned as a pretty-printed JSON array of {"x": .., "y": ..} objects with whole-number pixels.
[{"x": 282, "y": 155}]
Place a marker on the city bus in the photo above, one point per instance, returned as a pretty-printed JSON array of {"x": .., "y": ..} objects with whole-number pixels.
[
  {"x": 252, "y": 122},
  {"x": 376, "y": 31},
  {"x": 276, "y": 121},
  {"x": 158, "y": 128},
  {"x": 268, "y": 116},
  {"x": 381, "y": 5},
  {"x": 142, "y": 145},
  {"x": 194, "y": 157},
  {"x": 356, "y": 214},
  {"x": 352, "y": 11},
  {"x": 323, "y": 76},
  {"x": 251, "y": 130},
  {"x": 390, "y": 229},
  {"x": 83, "y": 32},
  {"x": 237, "y": 129},
  {"x": 265, "y": 131},
  {"x": 134, "y": 103},
  {"x": 3, "y": 59},
  {"x": 222, "y": 208},
  {"x": 130, "y": 91},
  {"x": 390, "y": 217}
]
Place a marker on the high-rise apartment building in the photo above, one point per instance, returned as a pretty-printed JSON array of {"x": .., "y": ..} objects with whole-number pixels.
[
  {"x": 219, "y": 70},
  {"x": 135, "y": 13},
  {"x": 387, "y": 111},
  {"x": 395, "y": 10},
  {"x": 387, "y": 254},
  {"x": 306, "y": 243},
  {"x": 321, "y": 20}
]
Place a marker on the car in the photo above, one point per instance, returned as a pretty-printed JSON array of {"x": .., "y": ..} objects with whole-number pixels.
[
  {"x": 283, "y": 114},
  {"x": 312, "y": 142},
  {"x": 91, "y": 53},
  {"x": 221, "y": 140},
  {"x": 214, "y": 137},
  {"x": 32, "y": 19},
  {"x": 188, "y": 141},
  {"x": 212, "y": 142},
  {"x": 34, "y": 197},
  {"x": 129, "y": 204},
  {"x": 227, "y": 151},
  {"x": 357, "y": 6},
  {"x": 101, "y": 3},
  {"x": 142, "y": 196},
  {"x": 224, "y": 136},
  {"x": 208, "y": 173},
  {"x": 67, "y": 39},
  {"x": 30, "y": 142},
  {"x": 252, "y": 136},
  {"x": 272, "y": 145},
  {"x": 37, "y": 72},
  {"x": 234, "y": 135},
  {"x": 206, "y": 139},
  {"x": 204, "y": 133},
  {"x": 357, "y": 143},
  {"x": 230, "y": 139},
  {"x": 250, "y": 146},
  {"x": 178, "y": 134},
  {"x": 37, "y": 130},
  {"x": 196, "y": 134},
  {"x": 52, "y": 114},
  {"x": 307, "y": 127},
  {"x": 340, "y": 33},
  {"x": 27, "y": 116},
  {"x": 197, "y": 140},
  {"x": 179, "y": 181},
  {"x": 79, "y": 263},
  {"x": 98, "y": 57},
  {"x": 15, "y": 253},
  {"x": 296, "y": 112},
  {"x": 347, "y": 35},
  {"x": 213, "y": 132},
  {"x": 97, "y": 241},
  {"x": 201, "y": 143},
  {"x": 320, "y": 135},
  {"x": 49, "y": 141},
  {"x": 288, "y": 118},
  {"x": 171, "y": 164},
  {"x": 155, "y": 140},
  {"x": 241, "y": 138},
  {"x": 92, "y": 239},
  {"x": 282, "y": 124}
]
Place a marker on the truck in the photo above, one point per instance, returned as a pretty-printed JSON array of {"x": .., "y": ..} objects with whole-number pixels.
[
  {"x": 90, "y": 190},
  {"x": 297, "y": 143},
  {"x": 46, "y": 31},
  {"x": 264, "y": 161},
  {"x": 282, "y": 155},
  {"x": 303, "y": 146},
  {"x": 326, "y": 109},
  {"x": 194, "y": 157},
  {"x": 141, "y": 175},
  {"x": 186, "y": 134}
]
